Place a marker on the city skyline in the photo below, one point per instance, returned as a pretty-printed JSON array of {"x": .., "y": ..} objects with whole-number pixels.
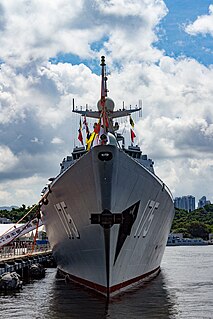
[{"x": 188, "y": 202}]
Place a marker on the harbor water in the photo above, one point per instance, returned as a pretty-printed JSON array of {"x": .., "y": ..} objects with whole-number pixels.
[{"x": 183, "y": 289}]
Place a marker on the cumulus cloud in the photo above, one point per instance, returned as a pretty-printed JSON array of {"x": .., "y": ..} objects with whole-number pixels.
[
  {"x": 47, "y": 93},
  {"x": 57, "y": 140},
  {"x": 7, "y": 159},
  {"x": 202, "y": 25},
  {"x": 182, "y": 150},
  {"x": 176, "y": 137},
  {"x": 43, "y": 30},
  {"x": 22, "y": 191},
  {"x": 172, "y": 88},
  {"x": 177, "y": 129},
  {"x": 40, "y": 29},
  {"x": 130, "y": 27},
  {"x": 36, "y": 125},
  {"x": 187, "y": 176}
]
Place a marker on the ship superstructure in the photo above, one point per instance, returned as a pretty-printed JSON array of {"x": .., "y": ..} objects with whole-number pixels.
[{"x": 107, "y": 214}]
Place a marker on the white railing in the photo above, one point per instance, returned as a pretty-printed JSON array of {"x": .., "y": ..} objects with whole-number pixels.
[{"x": 20, "y": 249}]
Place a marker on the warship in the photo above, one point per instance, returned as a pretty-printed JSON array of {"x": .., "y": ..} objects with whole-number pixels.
[{"x": 107, "y": 214}]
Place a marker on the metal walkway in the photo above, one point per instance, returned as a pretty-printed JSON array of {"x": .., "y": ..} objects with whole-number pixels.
[{"x": 13, "y": 258}]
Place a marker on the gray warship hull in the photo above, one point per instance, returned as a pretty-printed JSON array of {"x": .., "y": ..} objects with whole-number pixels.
[{"x": 108, "y": 218}]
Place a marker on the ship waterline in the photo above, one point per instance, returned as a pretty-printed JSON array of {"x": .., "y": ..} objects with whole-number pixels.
[
  {"x": 107, "y": 214},
  {"x": 108, "y": 218}
]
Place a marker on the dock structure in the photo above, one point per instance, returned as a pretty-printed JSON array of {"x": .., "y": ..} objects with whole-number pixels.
[{"x": 20, "y": 259}]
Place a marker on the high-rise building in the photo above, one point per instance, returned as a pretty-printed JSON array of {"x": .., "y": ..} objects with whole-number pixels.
[
  {"x": 185, "y": 202},
  {"x": 203, "y": 201}
]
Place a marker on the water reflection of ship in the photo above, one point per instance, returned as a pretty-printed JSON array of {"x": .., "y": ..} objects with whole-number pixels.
[{"x": 151, "y": 300}]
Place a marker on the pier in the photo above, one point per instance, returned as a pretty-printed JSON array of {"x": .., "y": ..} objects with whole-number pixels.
[{"x": 19, "y": 259}]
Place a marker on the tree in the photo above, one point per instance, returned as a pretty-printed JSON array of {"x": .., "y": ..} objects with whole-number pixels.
[
  {"x": 17, "y": 213},
  {"x": 198, "y": 229},
  {"x": 182, "y": 230}
]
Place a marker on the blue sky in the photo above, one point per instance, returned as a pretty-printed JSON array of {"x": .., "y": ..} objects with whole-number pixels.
[
  {"x": 157, "y": 51},
  {"x": 172, "y": 38},
  {"x": 175, "y": 41}
]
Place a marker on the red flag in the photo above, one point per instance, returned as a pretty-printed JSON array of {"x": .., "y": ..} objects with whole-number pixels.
[
  {"x": 80, "y": 136},
  {"x": 132, "y": 135},
  {"x": 97, "y": 127}
]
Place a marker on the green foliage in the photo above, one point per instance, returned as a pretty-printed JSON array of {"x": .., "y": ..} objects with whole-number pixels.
[
  {"x": 182, "y": 230},
  {"x": 198, "y": 223},
  {"x": 17, "y": 213},
  {"x": 198, "y": 229}
]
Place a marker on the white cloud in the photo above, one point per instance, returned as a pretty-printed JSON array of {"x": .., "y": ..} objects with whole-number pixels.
[
  {"x": 38, "y": 30},
  {"x": 131, "y": 28},
  {"x": 57, "y": 140},
  {"x": 36, "y": 123},
  {"x": 120, "y": 7},
  {"x": 6, "y": 196},
  {"x": 182, "y": 150},
  {"x": 22, "y": 191},
  {"x": 187, "y": 176},
  {"x": 176, "y": 137},
  {"x": 203, "y": 24},
  {"x": 7, "y": 159},
  {"x": 173, "y": 88},
  {"x": 48, "y": 92},
  {"x": 41, "y": 30}
]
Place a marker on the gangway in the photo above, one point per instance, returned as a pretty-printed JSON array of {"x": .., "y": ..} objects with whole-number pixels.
[{"x": 18, "y": 231}]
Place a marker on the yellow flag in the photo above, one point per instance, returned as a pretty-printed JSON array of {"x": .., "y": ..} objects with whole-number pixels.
[
  {"x": 131, "y": 121},
  {"x": 90, "y": 140}
]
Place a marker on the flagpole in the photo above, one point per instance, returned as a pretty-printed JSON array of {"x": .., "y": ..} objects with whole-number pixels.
[{"x": 103, "y": 92}]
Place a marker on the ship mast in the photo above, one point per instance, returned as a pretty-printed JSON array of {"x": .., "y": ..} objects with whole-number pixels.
[
  {"x": 104, "y": 116},
  {"x": 105, "y": 105}
]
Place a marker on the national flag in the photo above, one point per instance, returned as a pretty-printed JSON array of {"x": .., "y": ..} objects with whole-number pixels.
[
  {"x": 131, "y": 121},
  {"x": 80, "y": 136},
  {"x": 88, "y": 136},
  {"x": 90, "y": 140},
  {"x": 80, "y": 125},
  {"x": 97, "y": 127},
  {"x": 86, "y": 127},
  {"x": 132, "y": 135},
  {"x": 85, "y": 120},
  {"x": 87, "y": 130},
  {"x": 85, "y": 123}
]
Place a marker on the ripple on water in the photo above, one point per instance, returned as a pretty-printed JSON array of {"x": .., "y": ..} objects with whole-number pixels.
[{"x": 183, "y": 290}]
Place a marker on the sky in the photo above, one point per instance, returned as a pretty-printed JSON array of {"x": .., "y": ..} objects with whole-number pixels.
[{"x": 158, "y": 51}]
